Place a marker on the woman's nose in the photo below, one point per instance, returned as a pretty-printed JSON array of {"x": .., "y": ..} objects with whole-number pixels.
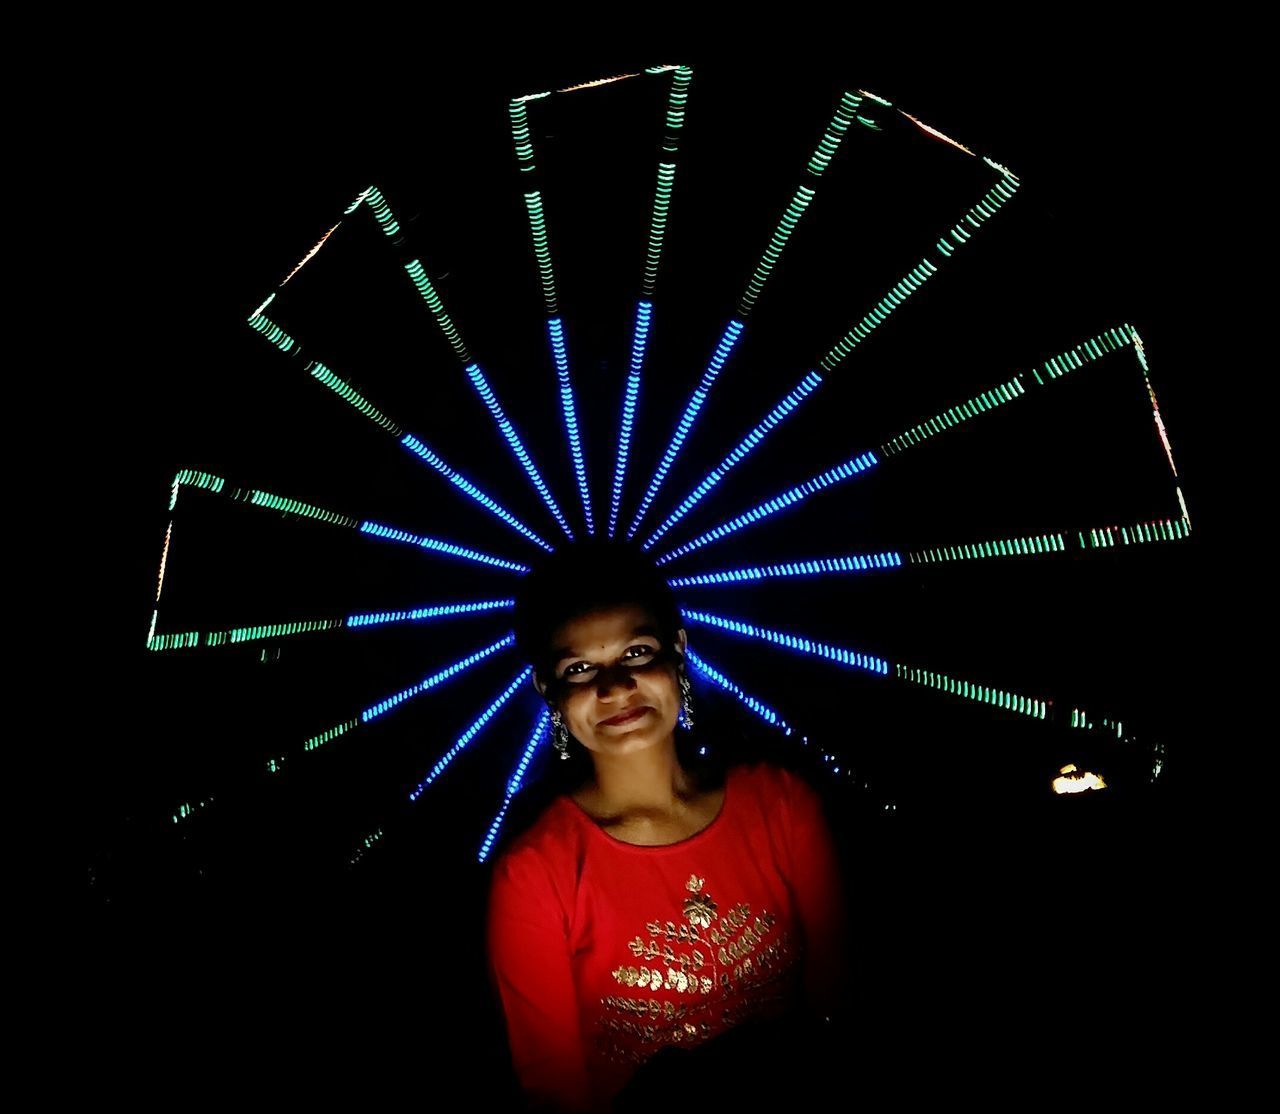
[{"x": 608, "y": 674}]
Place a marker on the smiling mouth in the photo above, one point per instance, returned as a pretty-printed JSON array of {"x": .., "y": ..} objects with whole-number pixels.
[{"x": 627, "y": 717}]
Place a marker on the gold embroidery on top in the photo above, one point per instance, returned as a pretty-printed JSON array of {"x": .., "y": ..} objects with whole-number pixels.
[
  {"x": 699, "y": 908},
  {"x": 744, "y": 970}
]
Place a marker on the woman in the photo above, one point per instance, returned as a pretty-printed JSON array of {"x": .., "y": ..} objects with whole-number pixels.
[{"x": 653, "y": 905}]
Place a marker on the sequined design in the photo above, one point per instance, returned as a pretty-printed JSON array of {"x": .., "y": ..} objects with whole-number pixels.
[
  {"x": 700, "y": 908},
  {"x": 722, "y": 965}
]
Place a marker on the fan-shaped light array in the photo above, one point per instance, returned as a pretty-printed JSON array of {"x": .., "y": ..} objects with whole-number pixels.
[{"x": 849, "y": 110}]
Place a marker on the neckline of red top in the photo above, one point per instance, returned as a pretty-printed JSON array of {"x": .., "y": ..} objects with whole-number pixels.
[{"x": 656, "y": 849}]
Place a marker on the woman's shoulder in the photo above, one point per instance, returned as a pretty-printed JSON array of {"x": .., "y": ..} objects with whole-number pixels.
[
  {"x": 544, "y": 839},
  {"x": 764, "y": 776}
]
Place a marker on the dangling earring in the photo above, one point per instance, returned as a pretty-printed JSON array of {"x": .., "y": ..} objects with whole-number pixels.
[
  {"x": 560, "y": 735},
  {"x": 686, "y": 698}
]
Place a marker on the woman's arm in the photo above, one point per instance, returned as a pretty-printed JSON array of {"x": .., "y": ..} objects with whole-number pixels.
[
  {"x": 820, "y": 893},
  {"x": 528, "y": 959}
]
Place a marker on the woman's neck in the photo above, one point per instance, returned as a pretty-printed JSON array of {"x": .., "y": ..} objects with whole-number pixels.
[{"x": 647, "y": 783}]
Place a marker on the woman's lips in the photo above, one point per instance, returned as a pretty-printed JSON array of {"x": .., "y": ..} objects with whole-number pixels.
[{"x": 627, "y": 717}]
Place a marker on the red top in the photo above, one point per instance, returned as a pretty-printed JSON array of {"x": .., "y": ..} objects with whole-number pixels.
[{"x": 602, "y": 952}]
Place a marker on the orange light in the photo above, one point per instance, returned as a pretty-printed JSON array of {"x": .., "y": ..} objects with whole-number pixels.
[
  {"x": 1074, "y": 780},
  {"x": 936, "y": 134},
  {"x": 309, "y": 254},
  {"x": 598, "y": 81}
]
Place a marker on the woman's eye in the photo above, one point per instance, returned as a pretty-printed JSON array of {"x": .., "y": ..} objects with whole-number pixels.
[{"x": 637, "y": 652}]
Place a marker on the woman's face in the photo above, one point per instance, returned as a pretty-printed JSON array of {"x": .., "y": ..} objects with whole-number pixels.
[{"x": 618, "y": 693}]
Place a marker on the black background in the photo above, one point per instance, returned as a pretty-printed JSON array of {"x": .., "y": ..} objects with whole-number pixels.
[{"x": 978, "y": 886}]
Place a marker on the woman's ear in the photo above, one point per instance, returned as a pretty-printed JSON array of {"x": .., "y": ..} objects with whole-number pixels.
[
  {"x": 542, "y": 689},
  {"x": 682, "y": 642}
]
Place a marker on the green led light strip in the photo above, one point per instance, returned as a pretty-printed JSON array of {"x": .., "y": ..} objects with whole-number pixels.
[
  {"x": 830, "y": 141},
  {"x": 677, "y": 100},
  {"x": 366, "y": 844},
  {"x": 191, "y": 478},
  {"x": 1080, "y": 719},
  {"x": 1159, "y": 530},
  {"x": 541, "y": 248},
  {"x": 520, "y": 134},
  {"x": 317, "y": 741},
  {"x": 381, "y": 211},
  {"x": 1111, "y": 340},
  {"x": 982, "y": 694},
  {"x": 1036, "y": 545},
  {"x": 188, "y": 809},
  {"x": 265, "y": 500},
  {"x": 522, "y": 139},
  {"x": 899, "y": 293},
  {"x": 818, "y": 162},
  {"x": 658, "y": 225},
  {"x": 436, "y": 305},
  {"x": 919, "y": 274},
  {"x": 218, "y": 486},
  {"x": 264, "y": 631},
  {"x": 340, "y": 387},
  {"x": 1053, "y": 369},
  {"x": 953, "y": 416},
  {"x": 1027, "y": 546},
  {"x": 237, "y": 635}
]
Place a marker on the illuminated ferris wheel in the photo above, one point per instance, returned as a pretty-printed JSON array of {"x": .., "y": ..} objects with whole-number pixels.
[{"x": 763, "y": 479}]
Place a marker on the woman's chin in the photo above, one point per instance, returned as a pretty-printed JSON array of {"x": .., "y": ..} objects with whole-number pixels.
[{"x": 618, "y": 741}]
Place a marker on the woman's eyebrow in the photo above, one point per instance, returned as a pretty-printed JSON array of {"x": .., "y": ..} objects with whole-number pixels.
[{"x": 562, "y": 652}]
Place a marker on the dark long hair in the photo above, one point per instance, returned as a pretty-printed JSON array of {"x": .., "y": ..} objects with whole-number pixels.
[{"x": 578, "y": 578}]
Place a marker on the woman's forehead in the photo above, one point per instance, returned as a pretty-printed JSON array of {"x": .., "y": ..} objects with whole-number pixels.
[{"x": 604, "y": 627}]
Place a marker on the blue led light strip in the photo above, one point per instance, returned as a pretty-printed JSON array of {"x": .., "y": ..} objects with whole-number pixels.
[
  {"x": 852, "y": 658},
  {"x": 382, "y": 213},
  {"x": 216, "y": 485},
  {"x": 790, "y": 219},
  {"x": 297, "y": 508},
  {"x": 540, "y": 731},
  {"x": 340, "y": 387},
  {"x": 1053, "y": 369},
  {"x": 555, "y": 330},
  {"x": 762, "y": 710},
  {"x": 434, "y": 679},
  {"x": 435, "y": 545},
  {"x": 903, "y": 289},
  {"x": 638, "y": 344},
  {"x": 705, "y": 669},
  {"x": 464, "y": 485},
  {"x": 471, "y": 732},
  {"x": 422, "y": 283},
  {"x": 677, "y": 101},
  {"x": 983, "y": 694},
  {"x": 789, "y": 498},
  {"x": 522, "y": 139},
  {"x": 517, "y": 446},
  {"x": 271, "y": 631},
  {"x": 817, "y": 566},
  {"x": 373, "y": 711},
  {"x": 727, "y": 341},
  {"x": 428, "y": 611}
]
